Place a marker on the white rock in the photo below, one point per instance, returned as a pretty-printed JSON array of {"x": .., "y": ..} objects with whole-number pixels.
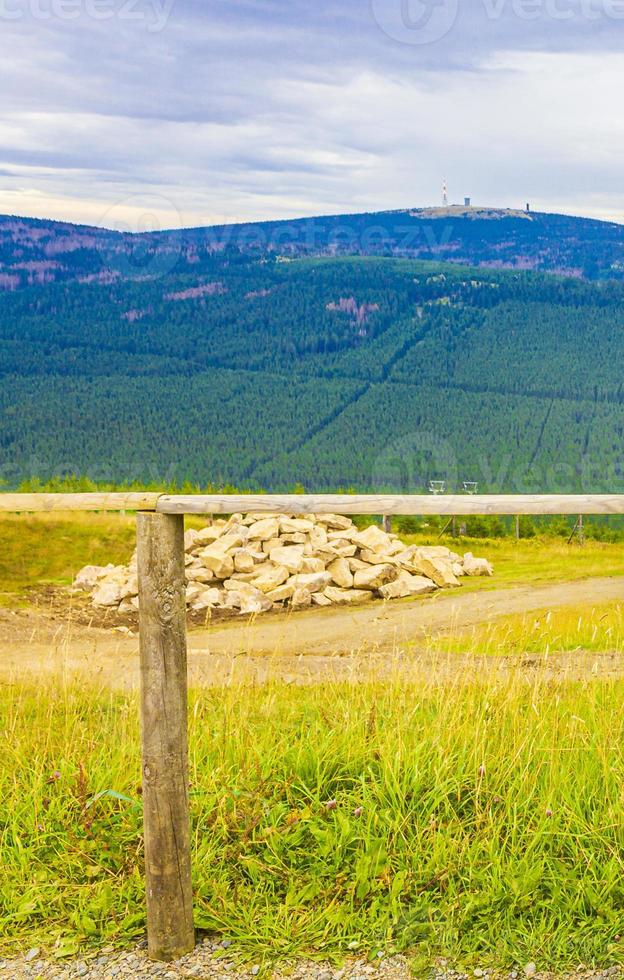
[
  {"x": 328, "y": 554},
  {"x": 292, "y": 525},
  {"x": 297, "y": 537},
  {"x": 229, "y": 543},
  {"x": 319, "y": 599},
  {"x": 257, "y": 557},
  {"x": 335, "y": 521},
  {"x": 270, "y": 577},
  {"x": 250, "y": 605},
  {"x": 208, "y": 535},
  {"x": 264, "y": 530},
  {"x": 476, "y": 566},
  {"x": 231, "y": 600},
  {"x": 243, "y": 560},
  {"x": 87, "y": 577},
  {"x": 269, "y": 545},
  {"x": 282, "y": 592},
  {"x": 314, "y": 582},
  {"x": 244, "y": 587},
  {"x": 345, "y": 548},
  {"x": 234, "y": 520},
  {"x": 376, "y": 558},
  {"x": 244, "y": 576},
  {"x": 347, "y": 597},
  {"x": 255, "y": 517},
  {"x": 190, "y": 538},
  {"x": 345, "y": 536},
  {"x": 131, "y": 587},
  {"x": 407, "y": 585},
  {"x": 301, "y": 598},
  {"x": 374, "y": 539},
  {"x": 437, "y": 570},
  {"x": 394, "y": 590},
  {"x": 199, "y": 573},
  {"x": 311, "y": 565},
  {"x": 256, "y": 562},
  {"x": 318, "y": 537},
  {"x": 418, "y": 584},
  {"x": 356, "y": 564},
  {"x": 341, "y": 573},
  {"x": 406, "y": 555},
  {"x": 291, "y": 557},
  {"x": 222, "y": 565},
  {"x": 375, "y": 576},
  {"x": 108, "y": 593},
  {"x": 436, "y": 551},
  {"x": 206, "y": 599},
  {"x": 193, "y": 591}
]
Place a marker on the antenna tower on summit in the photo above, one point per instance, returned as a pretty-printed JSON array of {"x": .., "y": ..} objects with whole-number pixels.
[{"x": 444, "y": 194}]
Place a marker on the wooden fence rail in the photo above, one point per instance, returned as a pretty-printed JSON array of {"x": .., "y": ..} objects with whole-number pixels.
[
  {"x": 47, "y": 502},
  {"x": 387, "y": 504},
  {"x": 162, "y": 640},
  {"x": 448, "y": 505}
]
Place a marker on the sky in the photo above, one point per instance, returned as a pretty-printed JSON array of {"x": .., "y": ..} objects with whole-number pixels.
[{"x": 140, "y": 114}]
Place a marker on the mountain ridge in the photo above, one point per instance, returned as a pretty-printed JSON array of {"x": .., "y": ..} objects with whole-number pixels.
[{"x": 34, "y": 251}]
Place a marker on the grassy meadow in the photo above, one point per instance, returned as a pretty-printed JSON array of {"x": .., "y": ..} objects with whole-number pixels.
[
  {"x": 48, "y": 549},
  {"x": 474, "y": 820},
  {"x": 472, "y": 816},
  {"x": 588, "y": 628}
]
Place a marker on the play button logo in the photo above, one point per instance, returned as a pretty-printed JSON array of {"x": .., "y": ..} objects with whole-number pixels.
[{"x": 416, "y": 22}]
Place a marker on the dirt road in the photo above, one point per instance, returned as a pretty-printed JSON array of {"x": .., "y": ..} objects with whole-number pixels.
[{"x": 303, "y": 647}]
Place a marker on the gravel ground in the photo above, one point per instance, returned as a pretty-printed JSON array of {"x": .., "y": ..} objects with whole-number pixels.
[{"x": 214, "y": 959}]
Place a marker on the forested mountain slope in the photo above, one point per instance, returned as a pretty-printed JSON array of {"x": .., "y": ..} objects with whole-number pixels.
[
  {"x": 38, "y": 252},
  {"x": 374, "y": 373}
]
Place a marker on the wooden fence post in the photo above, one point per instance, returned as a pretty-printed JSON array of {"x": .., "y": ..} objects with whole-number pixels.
[{"x": 164, "y": 698}]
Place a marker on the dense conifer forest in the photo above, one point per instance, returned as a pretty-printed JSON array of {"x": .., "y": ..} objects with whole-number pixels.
[{"x": 260, "y": 370}]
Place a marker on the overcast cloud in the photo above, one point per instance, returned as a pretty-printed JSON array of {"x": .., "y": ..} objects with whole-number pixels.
[{"x": 133, "y": 113}]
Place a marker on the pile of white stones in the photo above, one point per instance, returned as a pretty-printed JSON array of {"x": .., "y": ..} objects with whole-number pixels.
[{"x": 256, "y": 562}]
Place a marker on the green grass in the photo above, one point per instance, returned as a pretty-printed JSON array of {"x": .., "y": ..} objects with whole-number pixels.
[
  {"x": 491, "y": 824},
  {"x": 472, "y": 819},
  {"x": 50, "y": 549},
  {"x": 535, "y": 560},
  {"x": 588, "y": 628}
]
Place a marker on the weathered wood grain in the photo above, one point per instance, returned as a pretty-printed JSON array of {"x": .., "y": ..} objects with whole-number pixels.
[
  {"x": 400, "y": 504},
  {"x": 162, "y": 624},
  {"x": 384, "y": 504},
  {"x": 45, "y": 502}
]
